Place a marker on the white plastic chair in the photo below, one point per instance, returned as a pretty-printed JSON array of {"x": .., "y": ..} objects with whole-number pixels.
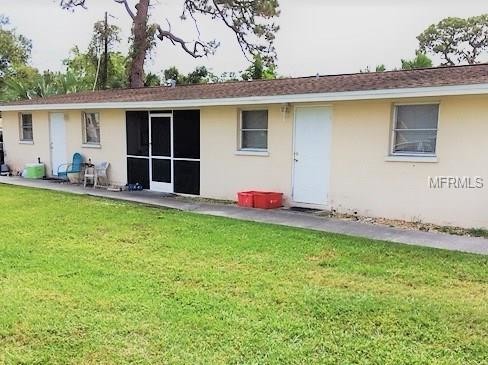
[{"x": 97, "y": 174}]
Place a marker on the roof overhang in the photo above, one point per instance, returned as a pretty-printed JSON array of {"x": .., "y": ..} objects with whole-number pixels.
[{"x": 474, "y": 89}]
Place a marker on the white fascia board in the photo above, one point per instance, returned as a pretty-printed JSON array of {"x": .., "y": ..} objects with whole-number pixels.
[{"x": 476, "y": 89}]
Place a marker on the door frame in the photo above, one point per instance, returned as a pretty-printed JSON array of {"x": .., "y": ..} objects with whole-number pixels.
[
  {"x": 51, "y": 143},
  {"x": 292, "y": 200},
  {"x": 155, "y": 185}
]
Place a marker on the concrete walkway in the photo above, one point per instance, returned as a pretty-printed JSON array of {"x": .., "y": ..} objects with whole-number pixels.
[{"x": 281, "y": 217}]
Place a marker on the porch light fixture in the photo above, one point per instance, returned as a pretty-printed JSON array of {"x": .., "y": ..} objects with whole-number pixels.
[{"x": 285, "y": 108}]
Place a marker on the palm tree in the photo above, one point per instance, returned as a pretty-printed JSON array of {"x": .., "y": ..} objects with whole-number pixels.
[
  {"x": 16, "y": 90},
  {"x": 44, "y": 88},
  {"x": 69, "y": 83}
]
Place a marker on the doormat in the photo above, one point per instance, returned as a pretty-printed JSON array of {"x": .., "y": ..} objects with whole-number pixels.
[
  {"x": 304, "y": 210},
  {"x": 53, "y": 180}
]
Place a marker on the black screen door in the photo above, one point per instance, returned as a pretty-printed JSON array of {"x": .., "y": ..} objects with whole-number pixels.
[
  {"x": 186, "y": 140},
  {"x": 161, "y": 152},
  {"x": 137, "y": 130}
]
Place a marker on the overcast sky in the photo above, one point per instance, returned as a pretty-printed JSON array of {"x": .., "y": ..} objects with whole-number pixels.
[{"x": 316, "y": 36}]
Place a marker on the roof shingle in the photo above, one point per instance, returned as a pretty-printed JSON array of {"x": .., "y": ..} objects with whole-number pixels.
[{"x": 428, "y": 77}]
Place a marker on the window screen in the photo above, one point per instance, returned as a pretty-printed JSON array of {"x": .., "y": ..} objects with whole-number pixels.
[
  {"x": 187, "y": 177},
  {"x": 415, "y": 130},
  {"x": 26, "y": 132},
  {"x": 161, "y": 170},
  {"x": 161, "y": 136},
  {"x": 91, "y": 128},
  {"x": 254, "y": 129},
  {"x": 186, "y": 134},
  {"x": 137, "y": 126},
  {"x": 138, "y": 171}
]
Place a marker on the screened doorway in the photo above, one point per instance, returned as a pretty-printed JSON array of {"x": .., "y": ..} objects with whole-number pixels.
[{"x": 163, "y": 150}]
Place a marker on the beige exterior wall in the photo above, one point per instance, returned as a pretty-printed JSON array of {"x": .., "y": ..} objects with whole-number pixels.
[
  {"x": 112, "y": 141},
  {"x": 362, "y": 179},
  {"x": 17, "y": 154},
  {"x": 224, "y": 172}
]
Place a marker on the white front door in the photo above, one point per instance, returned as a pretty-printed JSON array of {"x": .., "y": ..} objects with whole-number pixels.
[
  {"x": 311, "y": 172},
  {"x": 58, "y": 141}
]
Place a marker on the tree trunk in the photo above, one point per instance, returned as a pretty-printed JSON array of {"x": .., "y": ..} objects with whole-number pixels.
[{"x": 140, "y": 45}]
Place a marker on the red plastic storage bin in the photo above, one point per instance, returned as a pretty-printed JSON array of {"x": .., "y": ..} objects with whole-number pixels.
[
  {"x": 246, "y": 199},
  {"x": 268, "y": 200}
]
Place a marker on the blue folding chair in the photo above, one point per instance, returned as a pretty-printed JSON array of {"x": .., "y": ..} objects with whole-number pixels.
[{"x": 75, "y": 167}]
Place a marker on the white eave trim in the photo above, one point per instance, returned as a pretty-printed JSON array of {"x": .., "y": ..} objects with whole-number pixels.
[{"x": 418, "y": 92}]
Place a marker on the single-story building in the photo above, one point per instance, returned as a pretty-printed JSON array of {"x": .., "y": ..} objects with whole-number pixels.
[{"x": 409, "y": 145}]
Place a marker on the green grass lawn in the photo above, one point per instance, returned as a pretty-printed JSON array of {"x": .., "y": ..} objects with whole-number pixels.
[{"x": 92, "y": 281}]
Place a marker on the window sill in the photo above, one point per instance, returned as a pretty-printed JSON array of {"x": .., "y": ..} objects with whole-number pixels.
[
  {"x": 26, "y": 142},
  {"x": 421, "y": 159},
  {"x": 98, "y": 146},
  {"x": 251, "y": 153}
]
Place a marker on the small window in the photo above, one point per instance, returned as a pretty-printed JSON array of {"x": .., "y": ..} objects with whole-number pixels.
[
  {"x": 415, "y": 129},
  {"x": 26, "y": 133},
  {"x": 91, "y": 128},
  {"x": 254, "y": 130}
]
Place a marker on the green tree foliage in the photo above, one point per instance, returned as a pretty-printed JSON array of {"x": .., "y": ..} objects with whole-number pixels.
[
  {"x": 152, "y": 80},
  {"x": 15, "y": 49},
  {"x": 421, "y": 60},
  {"x": 201, "y": 75},
  {"x": 378, "y": 68},
  {"x": 259, "y": 71},
  {"x": 15, "y": 89},
  {"x": 172, "y": 73},
  {"x": 81, "y": 66},
  {"x": 456, "y": 40},
  {"x": 15, "y": 52},
  {"x": 83, "y": 69},
  {"x": 198, "y": 76},
  {"x": 105, "y": 37}
]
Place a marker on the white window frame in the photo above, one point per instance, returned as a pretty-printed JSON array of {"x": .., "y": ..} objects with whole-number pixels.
[
  {"x": 84, "y": 141},
  {"x": 241, "y": 130},
  {"x": 22, "y": 138},
  {"x": 394, "y": 130}
]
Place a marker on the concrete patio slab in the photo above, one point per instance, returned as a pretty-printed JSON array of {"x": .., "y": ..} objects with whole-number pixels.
[{"x": 280, "y": 217}]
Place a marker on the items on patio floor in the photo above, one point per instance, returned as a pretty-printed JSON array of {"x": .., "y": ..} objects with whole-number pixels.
[
  {"x": 72, "y": 171},
  {"x": 135, "y": 187},
  {"x": 260, "y": 199},
  {"x": 96, "y": 174},
  {"x": 34, "y": 171}
]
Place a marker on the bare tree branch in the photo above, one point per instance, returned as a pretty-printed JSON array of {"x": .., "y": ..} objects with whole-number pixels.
[
  {"x": 127, "y": 7},
  {"x": 200, "y": 49},
  {"x": 250, "y": 20},
  {"x": 240, "y": 39},
  {"x": 69, "y": 4}
]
